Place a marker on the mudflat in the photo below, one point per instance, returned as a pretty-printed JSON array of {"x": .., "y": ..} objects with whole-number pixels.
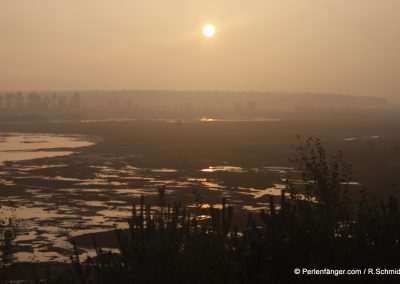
[{"x": 91, "y": 189}]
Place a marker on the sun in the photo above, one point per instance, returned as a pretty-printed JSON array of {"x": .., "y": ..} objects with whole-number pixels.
[{"x": 208, "y": 30}]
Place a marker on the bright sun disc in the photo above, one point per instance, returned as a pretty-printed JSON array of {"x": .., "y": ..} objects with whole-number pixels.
[{"x": 208, "y": 30}]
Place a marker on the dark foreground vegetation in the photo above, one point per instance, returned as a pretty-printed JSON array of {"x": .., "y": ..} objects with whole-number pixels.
[{"x": 313, "y": 224}]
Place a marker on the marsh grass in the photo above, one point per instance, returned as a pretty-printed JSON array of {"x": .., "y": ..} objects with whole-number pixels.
[
  {"x": 167, "y": 244},
  {"x": 8, "y": 233}
]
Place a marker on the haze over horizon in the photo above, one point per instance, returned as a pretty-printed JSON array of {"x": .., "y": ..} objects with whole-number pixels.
[{"x": 344, "y": 47}]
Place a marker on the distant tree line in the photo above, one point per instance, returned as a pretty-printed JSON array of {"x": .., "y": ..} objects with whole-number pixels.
[{"x": 35, "y": 101}]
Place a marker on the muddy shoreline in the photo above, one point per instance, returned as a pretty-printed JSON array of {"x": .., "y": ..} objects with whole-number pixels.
[{"x": 93, "y": 189}]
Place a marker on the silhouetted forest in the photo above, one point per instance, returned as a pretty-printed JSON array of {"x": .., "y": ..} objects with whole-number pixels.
[{"x": 19, "y": 106}]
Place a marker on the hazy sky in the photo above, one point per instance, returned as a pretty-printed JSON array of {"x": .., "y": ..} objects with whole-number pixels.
[{"x": 341, "y": 46}]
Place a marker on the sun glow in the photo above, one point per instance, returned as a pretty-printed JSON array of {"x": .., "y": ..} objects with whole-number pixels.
[{"x": 208, "y": 30}]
